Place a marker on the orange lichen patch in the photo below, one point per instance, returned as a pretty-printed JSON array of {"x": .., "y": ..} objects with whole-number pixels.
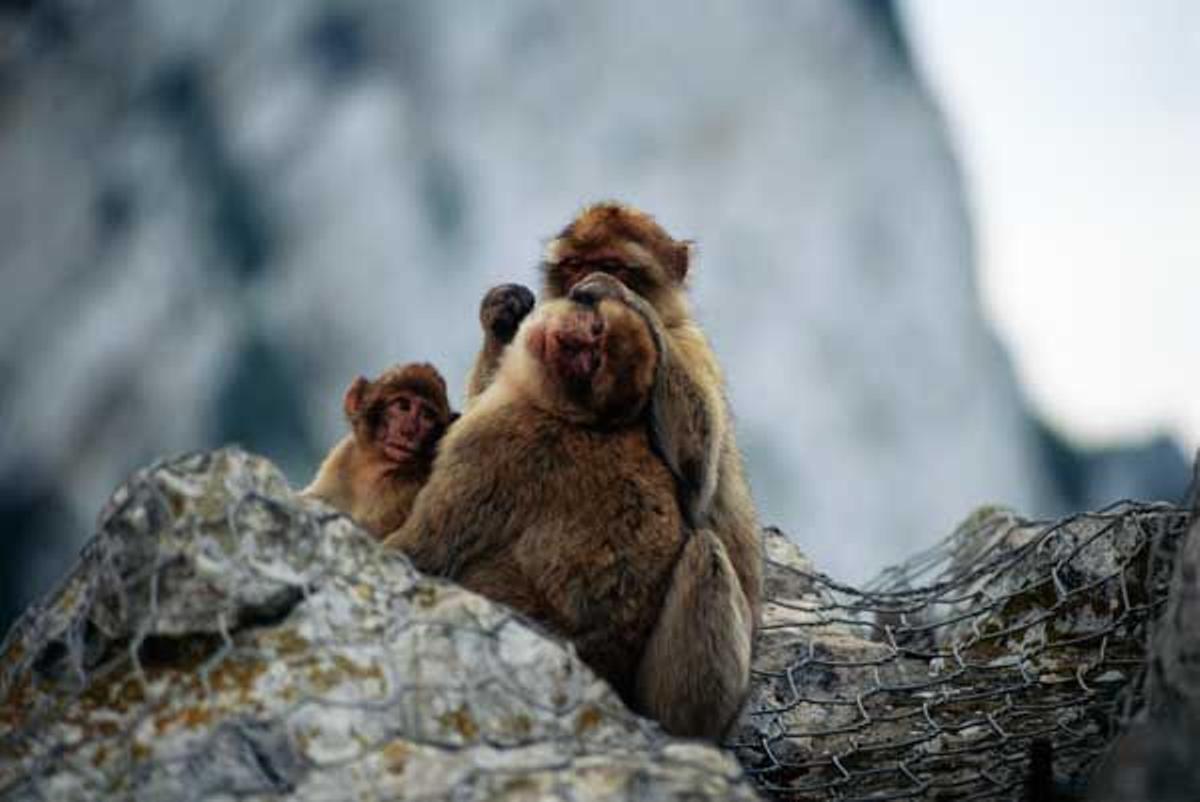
[
  {"x": 288, "y": 642},
  {"x": 425, "y": 596},
  {"x": 589, "y": 718},
  {"x": 460, "y": 721},
  {"x": 104, "y": 729},
  {"x": 187, "y": 717},
  {"x": 14, "y": 653},
  {"x": 237, "y": 676},
  {"x": 521, "y": 724},
  {"x": 118, "y": 693},
  {"x": 521, "y": 786},
  {"x": 395, "y": 756},
  {"x": 14, "y": 708},
  {"x": 342, "y": 668}
]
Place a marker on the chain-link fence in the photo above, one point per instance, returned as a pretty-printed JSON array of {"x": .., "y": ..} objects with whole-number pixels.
[{"x": 998, "y": 665}]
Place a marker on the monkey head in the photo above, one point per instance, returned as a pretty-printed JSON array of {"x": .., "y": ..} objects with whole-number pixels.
[
  {"x": 625, "y": 243},
  {"x": 401, "y": 415},
  {"x": 590, "y": 361}
]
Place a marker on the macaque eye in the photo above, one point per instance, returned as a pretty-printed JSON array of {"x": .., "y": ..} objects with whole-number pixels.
[
  {"x": 427, "y": 415},
  {"x": 403, "y": 404}
]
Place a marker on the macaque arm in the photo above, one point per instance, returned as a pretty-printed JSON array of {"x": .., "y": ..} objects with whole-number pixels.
[
  {"x": 685, "y": 424},
  {"x": 687, "y": 429},
  {"x": 447, "y": 528},
  {"x": 500, "y": 314},
  {"x": 484, "y": 369}
]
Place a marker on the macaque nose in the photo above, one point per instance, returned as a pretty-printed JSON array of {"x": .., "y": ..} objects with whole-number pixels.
[{"x": 410, "y": 424}]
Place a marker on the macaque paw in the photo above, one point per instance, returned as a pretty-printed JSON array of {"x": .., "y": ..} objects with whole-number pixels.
[{"x": 503, "y": 309}]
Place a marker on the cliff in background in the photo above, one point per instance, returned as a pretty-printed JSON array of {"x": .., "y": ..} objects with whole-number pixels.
[{"x": 215, "y": 214}]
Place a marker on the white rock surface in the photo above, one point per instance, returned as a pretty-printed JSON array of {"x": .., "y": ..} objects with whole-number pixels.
[
  {"x": 216, "y": 214},
  {"x": 222, "y": 638}
]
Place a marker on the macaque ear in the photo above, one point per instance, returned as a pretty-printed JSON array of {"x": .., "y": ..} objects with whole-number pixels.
[
  {"x": 353, "y": 400},
  {"x": 681, "y": 258}
]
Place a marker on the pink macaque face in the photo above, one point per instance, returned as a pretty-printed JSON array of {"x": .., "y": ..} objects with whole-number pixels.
[{"x": 407, "y": 427}]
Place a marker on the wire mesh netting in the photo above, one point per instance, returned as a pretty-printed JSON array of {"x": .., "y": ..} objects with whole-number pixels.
[
  {"x": 222, "y": 639},
  {"x": 1011, "y": 650}
]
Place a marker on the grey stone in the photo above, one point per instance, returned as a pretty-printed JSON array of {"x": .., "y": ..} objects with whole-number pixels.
[{"x": 222, "y": 638}]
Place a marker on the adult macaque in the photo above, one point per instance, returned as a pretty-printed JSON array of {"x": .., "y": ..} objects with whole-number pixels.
[
  {"x": 547, "y": 495},
  {"x": 688, "y": 414},
  {"x": 373, "y": 475}
]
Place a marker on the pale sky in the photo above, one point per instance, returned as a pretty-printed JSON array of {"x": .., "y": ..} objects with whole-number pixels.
[{"x": 1078, "y": 126}]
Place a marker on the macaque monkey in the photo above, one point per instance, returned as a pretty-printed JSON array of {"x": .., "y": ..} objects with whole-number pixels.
[
  {"x": 613, "y": 250},
  {"x": 547, "y": 496},
  {"x": 374, "y": 473}
]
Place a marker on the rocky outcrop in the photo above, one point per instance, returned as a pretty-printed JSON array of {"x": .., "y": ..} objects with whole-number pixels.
[
  {"x": 222, "y": 638},
  {"x": 1159, "y": 757}
]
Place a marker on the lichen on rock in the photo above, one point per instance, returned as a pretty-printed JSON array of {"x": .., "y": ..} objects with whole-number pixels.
[{"x": 221, "y": 637}]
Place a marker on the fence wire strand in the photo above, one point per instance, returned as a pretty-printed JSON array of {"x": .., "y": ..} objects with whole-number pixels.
[{"x": 943, "y": 676}]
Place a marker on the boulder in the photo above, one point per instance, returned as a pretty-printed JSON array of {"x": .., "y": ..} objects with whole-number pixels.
[{"x": 223, "y": 638}]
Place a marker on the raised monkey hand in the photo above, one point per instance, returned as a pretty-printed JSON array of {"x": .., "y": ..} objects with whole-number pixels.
[
  {"x": 500, "y": 313},
  {"x": 503, "y": 309}
]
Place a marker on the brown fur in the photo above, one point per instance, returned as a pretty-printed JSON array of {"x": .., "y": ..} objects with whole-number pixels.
[
  {"x": 500, "y": 313},
  {"x": 614, "y": 251},
  {"x": 357, "y": 476},
  {"x": 691, "y": 420},
  {"x": 547, "y": 496}
]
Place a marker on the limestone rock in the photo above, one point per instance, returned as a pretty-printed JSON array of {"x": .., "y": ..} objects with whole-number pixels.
[{"x": 221, "y": 638}]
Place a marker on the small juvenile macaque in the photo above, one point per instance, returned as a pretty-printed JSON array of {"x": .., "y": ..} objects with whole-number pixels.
[
  {"x": 547, "y": 496},
  {"x": 373, "y": 475}
]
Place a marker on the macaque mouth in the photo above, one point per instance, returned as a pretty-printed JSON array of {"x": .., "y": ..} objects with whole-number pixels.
[
  {"x": 397, "y": 449},
  {"x": 575, "y": 346}
]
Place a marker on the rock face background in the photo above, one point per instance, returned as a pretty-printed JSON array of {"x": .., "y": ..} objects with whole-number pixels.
[{"x": 215, "y": 214}]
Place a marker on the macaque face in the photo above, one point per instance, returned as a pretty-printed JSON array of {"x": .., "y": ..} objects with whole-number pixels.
[
  {"x": 620, "y": 241},
  {"x": 406, "y": 426},
  {"x": 401, "y": 415},
  {"x": 596, "y": 361},
  {"x": 573, "y": 270},
  {"x": 569, "y": 344}
]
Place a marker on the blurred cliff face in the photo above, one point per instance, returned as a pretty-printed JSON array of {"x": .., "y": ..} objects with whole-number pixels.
[{"x": 215, "y": 214}]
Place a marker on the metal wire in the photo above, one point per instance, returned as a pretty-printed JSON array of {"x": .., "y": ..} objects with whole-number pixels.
[{"x": 940, "y": 678}]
